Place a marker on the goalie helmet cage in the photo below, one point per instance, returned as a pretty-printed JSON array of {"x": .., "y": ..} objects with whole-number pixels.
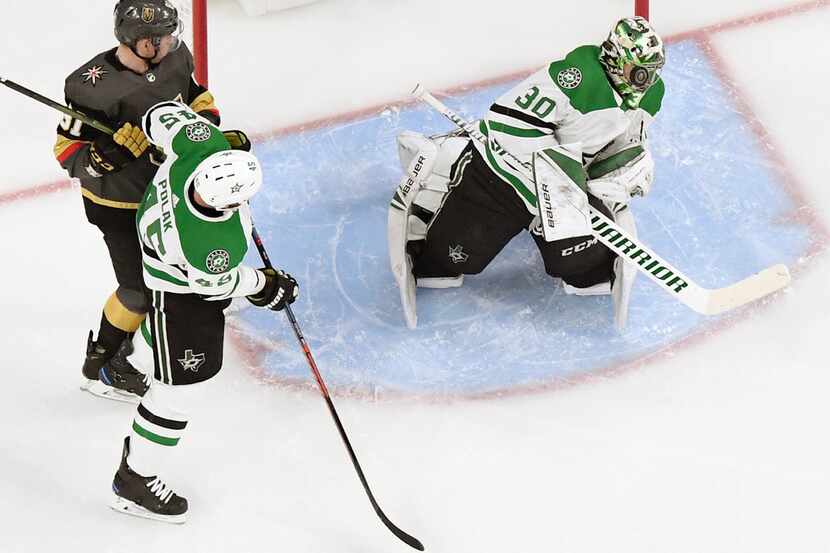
[{"x": 194, "y": 15}]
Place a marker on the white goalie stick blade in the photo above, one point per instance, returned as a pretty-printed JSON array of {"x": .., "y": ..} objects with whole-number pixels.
[
  {"x": 99, "y": 389},
  {"x": 703, "y": 300},
  {"x": 127, "y": 507}
]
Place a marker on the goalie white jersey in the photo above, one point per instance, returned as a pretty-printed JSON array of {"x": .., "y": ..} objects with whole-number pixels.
[{"x": 570, "y": 104}]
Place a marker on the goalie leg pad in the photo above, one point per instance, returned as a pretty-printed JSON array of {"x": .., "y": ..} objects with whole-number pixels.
[
  {"x": 419, "y": 196},
  {"x": 397, "y": 229}
]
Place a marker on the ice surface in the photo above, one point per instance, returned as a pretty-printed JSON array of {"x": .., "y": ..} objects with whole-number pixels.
[{"x": 716, "y": 441}]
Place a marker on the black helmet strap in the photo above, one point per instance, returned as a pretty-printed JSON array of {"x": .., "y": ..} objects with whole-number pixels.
[{"x": 156, "y": 41}]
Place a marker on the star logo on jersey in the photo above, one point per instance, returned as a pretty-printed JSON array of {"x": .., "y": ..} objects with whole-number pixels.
[
  {"x": 94, "y": 74},
  {"x": 569, "y": 78},
  {"x": 197, "y": 132},
  {"x": 192, "y": 362},
  {"x": 457, "y": 254},
  {"x": 218, "y": 261},
  {"x": 151, "y": 77},
  {"x": 236, "y": 188}
]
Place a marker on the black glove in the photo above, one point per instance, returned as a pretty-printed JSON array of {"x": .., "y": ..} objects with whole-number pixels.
[
  {"x": 109, "y": 154},
  {"x": 280, "y": 290},
  {"x": 238, "y": 140}
]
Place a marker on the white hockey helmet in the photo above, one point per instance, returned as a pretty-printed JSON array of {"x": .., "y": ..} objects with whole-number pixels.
[{"x": 228, "y": 178}]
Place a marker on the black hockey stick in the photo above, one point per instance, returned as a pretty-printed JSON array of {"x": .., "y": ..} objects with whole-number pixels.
[
  {"x": 403, "y": 536},
  {"x": 55, "y": 105}
]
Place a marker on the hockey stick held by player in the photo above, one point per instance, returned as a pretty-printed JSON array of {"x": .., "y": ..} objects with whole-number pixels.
[{"x": 194, "y": 228}]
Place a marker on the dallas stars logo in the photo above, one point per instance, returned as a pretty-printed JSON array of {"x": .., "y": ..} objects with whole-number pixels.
[
  {"x": 569, "y": 78},
  {"x": 197, "y": 132},
  {"x": 236, "y": 188},
  {"x": 94, "y": 74},
  {"x": 192, "y": 362},
  {"x": 218, "y": 261},
  {"x": 457, "y": 254}
]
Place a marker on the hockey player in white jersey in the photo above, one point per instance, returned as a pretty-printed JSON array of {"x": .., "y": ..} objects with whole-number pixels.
[
  {"x": 194, "y": 226},
  {"x": 580, "y": 127}
]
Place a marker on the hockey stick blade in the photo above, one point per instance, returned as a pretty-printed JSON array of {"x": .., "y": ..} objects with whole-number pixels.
[
  {"x": 745, "y": 291},
  {"x": 400, "y": 534},
  {"x": 669, "y": 278}
]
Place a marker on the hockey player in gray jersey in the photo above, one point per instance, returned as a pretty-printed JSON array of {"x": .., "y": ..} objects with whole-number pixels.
[
  {"x": 116, "y": 87},
  {"x": 579, "y": 129},
  {"x": 194, "y": 227}
]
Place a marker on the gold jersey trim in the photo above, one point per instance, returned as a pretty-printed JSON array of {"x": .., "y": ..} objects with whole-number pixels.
[
  {"x": 204, "y": 101},
  {"x": 108, "y": 203}
]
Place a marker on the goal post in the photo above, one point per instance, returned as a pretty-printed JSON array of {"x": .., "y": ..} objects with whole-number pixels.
[
  {"x": 641, "y": 8},
  {"x": 194, "y": 16},
  {"x": 200, "y": 34}
]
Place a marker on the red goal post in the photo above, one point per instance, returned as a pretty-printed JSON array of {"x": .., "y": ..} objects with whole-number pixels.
[{"x": 641, "y": 8}]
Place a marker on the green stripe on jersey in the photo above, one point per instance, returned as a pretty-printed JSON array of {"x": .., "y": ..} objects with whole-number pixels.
[
  {"x": 515, "y": 131},
  {"x": 145, "y": 332},
  {"x": 511, "y": 179},
  {"x": 161, "y": 275}
]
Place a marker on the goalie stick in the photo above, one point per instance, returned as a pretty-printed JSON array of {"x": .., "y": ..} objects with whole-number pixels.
[
  {"x": 403, "y": 536},
  {"x": 707, "y": 301}
]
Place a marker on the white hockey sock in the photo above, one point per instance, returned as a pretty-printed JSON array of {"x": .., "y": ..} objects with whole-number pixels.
[{"x": 158, "y": 425}]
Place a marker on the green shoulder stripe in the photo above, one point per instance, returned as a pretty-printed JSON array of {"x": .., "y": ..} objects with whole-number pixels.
[
  {"x": 653, "y": 98},
  {"x": 581, "y": 77}
]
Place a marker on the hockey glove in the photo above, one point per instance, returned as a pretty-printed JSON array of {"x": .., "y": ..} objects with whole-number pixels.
[
  {"x": 238, "y": 140},
  {"x": 109, "y": 154},
  {"x": 280, "y": 290}
]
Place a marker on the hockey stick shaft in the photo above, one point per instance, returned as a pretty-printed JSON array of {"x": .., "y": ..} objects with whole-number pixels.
[
  {"x": 668, "y": 277},
  {"x": 403, "y": 536},
  {"x": 55, "y": 105}
]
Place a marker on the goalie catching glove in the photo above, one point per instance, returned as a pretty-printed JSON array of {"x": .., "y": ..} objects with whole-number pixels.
[
  {"x": 110, "y": 153},
  {"x": 280, "y": 290},
  {"x": 631, "y": 177}
]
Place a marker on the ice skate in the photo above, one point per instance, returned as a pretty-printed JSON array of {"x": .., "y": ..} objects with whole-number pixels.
[
  {"x": 117, "y": 379},
  {"x": 145, "y": 496}
]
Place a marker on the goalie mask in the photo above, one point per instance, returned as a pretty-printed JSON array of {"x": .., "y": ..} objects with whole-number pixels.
[
  {"x": 632, "y": 56},
  {"x": 227, "y": 179}
]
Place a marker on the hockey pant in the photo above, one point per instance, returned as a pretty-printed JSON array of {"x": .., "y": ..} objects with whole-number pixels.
[
  {"x": 126, "y": 307},
  {"x": 480, "y": 215}
]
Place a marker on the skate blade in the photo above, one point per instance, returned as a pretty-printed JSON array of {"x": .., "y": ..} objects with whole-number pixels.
[
  {"x": 127, "y": 507},
  {"x": 99, "y": 389}
]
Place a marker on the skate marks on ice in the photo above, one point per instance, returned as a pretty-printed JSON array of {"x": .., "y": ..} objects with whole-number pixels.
[{"x": 717, "y": 211}]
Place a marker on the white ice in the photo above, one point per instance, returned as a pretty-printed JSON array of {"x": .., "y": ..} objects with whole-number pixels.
[{"x": 718, "y": 445}]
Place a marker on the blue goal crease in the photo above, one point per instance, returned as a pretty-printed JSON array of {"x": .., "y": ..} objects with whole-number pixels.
[{"x": 715, "y": 211}]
